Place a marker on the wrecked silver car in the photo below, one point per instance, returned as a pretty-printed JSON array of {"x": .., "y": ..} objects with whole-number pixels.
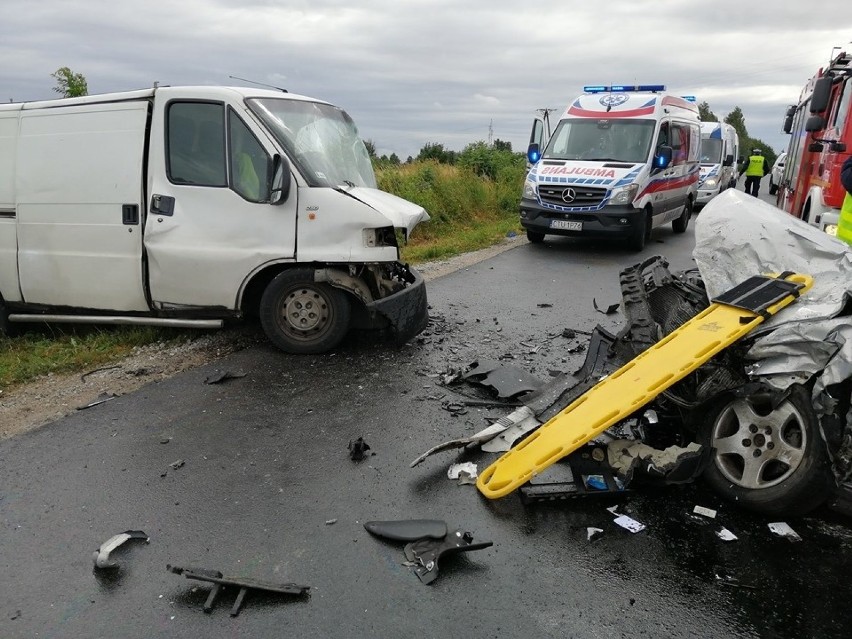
[{"x": 764, "y": 421}]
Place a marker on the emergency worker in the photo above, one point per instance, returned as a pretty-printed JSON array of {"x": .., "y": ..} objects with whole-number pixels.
[
  {"x": 756, "y": 167},
  {"x": 844, "y": 227}
]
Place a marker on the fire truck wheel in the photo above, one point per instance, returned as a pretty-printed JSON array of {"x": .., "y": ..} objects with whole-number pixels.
[
  {"x": 767, "y": 459},
  {"x": 302, "y": 316}
]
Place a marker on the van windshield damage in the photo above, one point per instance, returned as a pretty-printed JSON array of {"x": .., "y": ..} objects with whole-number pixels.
[
  {"x": 601, "y": 140},
  {"x": 322, "y": 140}
]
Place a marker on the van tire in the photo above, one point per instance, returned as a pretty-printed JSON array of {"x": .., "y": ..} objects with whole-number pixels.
[
  {"x": 7, "y": 328},
  {"x": 773, "y": 188},
  {"x": 782, "y": 488},
  {"x": 535, "y": 237},
  {"x": 679, "y": 225},
  {"x": 302, "y": 316},
  {"x": 642, "y": 231}
]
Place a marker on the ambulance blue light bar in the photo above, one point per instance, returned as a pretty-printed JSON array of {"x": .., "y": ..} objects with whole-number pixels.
[{"x": 623, "y": 88}]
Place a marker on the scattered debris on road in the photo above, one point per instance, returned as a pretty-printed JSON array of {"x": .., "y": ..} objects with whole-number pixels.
[
  {"x": 783, "y": 529},
  {"x": 726, "y": 535},
  {"x": 706, "y": 512},
  {"x": 609, "y": 310},
  {"x": 223, "y": 376},
  {"x": 464, "y": 472},
  {"x": 103, "y": 397},
  {"x": 358, "y": 449},
  {"x": 101, "y": 555},
  {"x": 244, "y": 585}
]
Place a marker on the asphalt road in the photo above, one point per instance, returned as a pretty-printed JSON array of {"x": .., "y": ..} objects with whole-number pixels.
[{"x": 266, "y": 471}]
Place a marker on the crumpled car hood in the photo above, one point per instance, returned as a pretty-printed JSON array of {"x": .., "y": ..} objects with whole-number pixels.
[
  {"x": 738, "y": 236},
  {"x": 402, "y": 213}
]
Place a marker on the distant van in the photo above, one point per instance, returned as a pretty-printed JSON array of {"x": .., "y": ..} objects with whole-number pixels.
[
  {"x": 621, "y": 161},
  {"x": 189, "y": 206},
  {"x": 719, "y": 155}
]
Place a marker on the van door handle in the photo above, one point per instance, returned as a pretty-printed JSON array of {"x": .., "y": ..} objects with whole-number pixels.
[
  {"x": 130, "y": 214},
  {"x": 162, "y": 205}
]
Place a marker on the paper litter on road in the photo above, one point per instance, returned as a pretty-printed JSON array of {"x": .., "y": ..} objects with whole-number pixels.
[
  {"x": 468, "y": 468},
  {"x": 593, "y": 533},
  {"x": 629, "y": 523},
  {"x": 782, "y": 529},
  {"x": 707, "y": 512},
  {"x": 726, "y": 535}
]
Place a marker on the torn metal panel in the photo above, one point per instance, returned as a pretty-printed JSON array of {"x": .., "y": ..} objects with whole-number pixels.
[
  {"x": 507, "y": 381},
  {"x": 426, "y": 552}
]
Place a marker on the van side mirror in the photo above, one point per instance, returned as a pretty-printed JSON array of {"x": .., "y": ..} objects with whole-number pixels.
[
  {"x": 740, "y": 160},
  {"x": 663, "y": 158},
  {"x": 279, "y": 191},
  {"x": 821, "y": 95},
  {"x": 533, "y": 153},
  {"x": 815, "y": 123},
  {"x": 729, "y": 160}
]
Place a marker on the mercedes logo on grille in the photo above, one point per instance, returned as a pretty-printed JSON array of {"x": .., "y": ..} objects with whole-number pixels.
[{"x": 568, "y": 196}]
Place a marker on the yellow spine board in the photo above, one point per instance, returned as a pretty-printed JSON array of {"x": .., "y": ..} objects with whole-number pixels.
[{"x": 625, "y": 391}]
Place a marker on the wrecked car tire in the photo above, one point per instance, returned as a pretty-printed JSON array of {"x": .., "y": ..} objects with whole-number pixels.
[
  {"x": 302, "y": 316},
  {"x": 534, "y": 237},
  {"x": 772, "y": 461}
]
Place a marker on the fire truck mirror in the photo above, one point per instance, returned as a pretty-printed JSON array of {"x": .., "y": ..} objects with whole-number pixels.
[
  {"x": 815, "y": 147},
  {"x": 788, "y": 124},
  {"x": 838, "y": 147},
  {"x": 821, "y": 95},
  {"x": 815, "y": 123}
]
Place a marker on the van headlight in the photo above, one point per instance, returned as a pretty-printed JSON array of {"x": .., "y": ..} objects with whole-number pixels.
[
  {"x": 831, "y": 229},
  {"x": 529, "y": 190},
  {"x": 710, "y": 183},
  {"x": 624, "y": 195}
]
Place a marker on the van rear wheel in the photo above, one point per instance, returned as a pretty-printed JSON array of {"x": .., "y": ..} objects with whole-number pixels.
[{"x": 302, "y": 316}]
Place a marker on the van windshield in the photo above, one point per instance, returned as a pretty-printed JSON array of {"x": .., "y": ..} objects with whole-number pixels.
[
  {"x": 711, "y": 150},
  {"x": 322, "y": 140},
  {"x": 601, "y": 140}
]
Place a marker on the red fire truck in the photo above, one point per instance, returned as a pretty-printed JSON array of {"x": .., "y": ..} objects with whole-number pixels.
[{"x": 821, "y": 130}]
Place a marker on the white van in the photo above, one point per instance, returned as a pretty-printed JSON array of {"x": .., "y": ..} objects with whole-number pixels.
[
  {"x": 720, "y": 146},
  {"x": 621, "y": 161},
  {"x": 188, "y": 206}
]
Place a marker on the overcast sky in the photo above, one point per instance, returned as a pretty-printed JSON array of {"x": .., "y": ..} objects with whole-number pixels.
[{"x": 412, "y": 72}]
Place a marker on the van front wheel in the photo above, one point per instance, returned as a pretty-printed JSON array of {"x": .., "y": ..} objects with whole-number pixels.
[
  {"x": 679, "y": 225},
  {"x": 302, "y": 316}
]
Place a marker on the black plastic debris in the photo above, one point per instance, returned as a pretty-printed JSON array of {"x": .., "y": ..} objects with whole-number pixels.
[
  {"x": 101, "y": 555},
  {"x": 428, "y": 542},
  {"x": 103, "y": 397},
  {"x": 358, "y": 449},
  {"x": 223, "y": 376},
  {"x": 609, "y": 310},
  {"x": 545, "y": 305},
  {"x": 508, "y": 381},
  {"x": 219, "y": 581}
]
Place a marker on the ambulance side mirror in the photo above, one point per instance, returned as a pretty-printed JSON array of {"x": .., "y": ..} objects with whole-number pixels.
[
  {"x": 533, "y": 153},
  {"x": 729, "y": 160},
  {"x": 663, "y": 158}
]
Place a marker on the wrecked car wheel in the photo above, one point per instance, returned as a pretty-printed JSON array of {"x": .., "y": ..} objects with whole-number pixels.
[
  {"x": 535, "y": 238},
  {"x": 770, "y": 460},
  {"x": 302, "y": 316}
]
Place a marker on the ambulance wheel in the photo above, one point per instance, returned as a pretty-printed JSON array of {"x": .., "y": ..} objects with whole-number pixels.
[
  {"x": 302, "y": 316},
  {"x": 770, "y": 460},
  {"x": 642, "y": 231},
  {"x": 535, "y": 237},
  {"x": 679, "y": 225}
]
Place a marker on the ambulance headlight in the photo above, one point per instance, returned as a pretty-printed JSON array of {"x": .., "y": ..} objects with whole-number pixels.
[
  {"x": 529, "y": 190},
  {"x": 624, "y": 195},
  {"x": 710, "y": 183},
  {"x": 831, "y": 229}
]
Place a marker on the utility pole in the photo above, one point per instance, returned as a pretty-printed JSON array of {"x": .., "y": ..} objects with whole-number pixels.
[{"x": 491, "y": 133}]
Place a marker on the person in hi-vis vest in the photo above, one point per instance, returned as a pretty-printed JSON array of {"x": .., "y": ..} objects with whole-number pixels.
[
  {"x": 844, "y": 226},
  {"x": 755, "y": 168}
]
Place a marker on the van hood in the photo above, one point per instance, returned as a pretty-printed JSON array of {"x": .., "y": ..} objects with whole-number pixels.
[
  {"x": 402, "y": 213},
  {"x": 605, "y": 174}
]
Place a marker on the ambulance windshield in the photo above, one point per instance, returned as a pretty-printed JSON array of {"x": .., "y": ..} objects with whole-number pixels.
[
  {"x": 711, "y": 150},
  {"x": 615, "y": 140},
  {"x": 321, "y": 140}
]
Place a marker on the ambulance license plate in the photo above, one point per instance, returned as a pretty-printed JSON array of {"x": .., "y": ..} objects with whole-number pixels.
[{"x": 566, "y": 225}]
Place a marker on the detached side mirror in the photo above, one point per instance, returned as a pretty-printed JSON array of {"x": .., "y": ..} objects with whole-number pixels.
[
  {"x": 663, "y": 158},
  {"x": 729, "y": 160},
  {"x": 279, "y": 190},
  {"x": 533, "y": 153},
  {"x": 815, "y": 123}
]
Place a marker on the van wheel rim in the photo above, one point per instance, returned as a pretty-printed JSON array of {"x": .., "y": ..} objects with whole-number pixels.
[
  {"x": 757, "y": 447},
  {"x": 305, "y": 312}
]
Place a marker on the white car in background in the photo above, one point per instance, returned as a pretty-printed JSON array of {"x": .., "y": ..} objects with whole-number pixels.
[{"x": 776, "y": 173}]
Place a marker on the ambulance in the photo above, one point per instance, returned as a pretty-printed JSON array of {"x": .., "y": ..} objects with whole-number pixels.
[
  {"x": 621, "y": 161},
  {"x": 719, "y": 150}
]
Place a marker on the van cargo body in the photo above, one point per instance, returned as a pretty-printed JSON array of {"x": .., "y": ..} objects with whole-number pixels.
[
  {"x": 190, "y": 206},
  {"x": 621, "y": 161}
]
